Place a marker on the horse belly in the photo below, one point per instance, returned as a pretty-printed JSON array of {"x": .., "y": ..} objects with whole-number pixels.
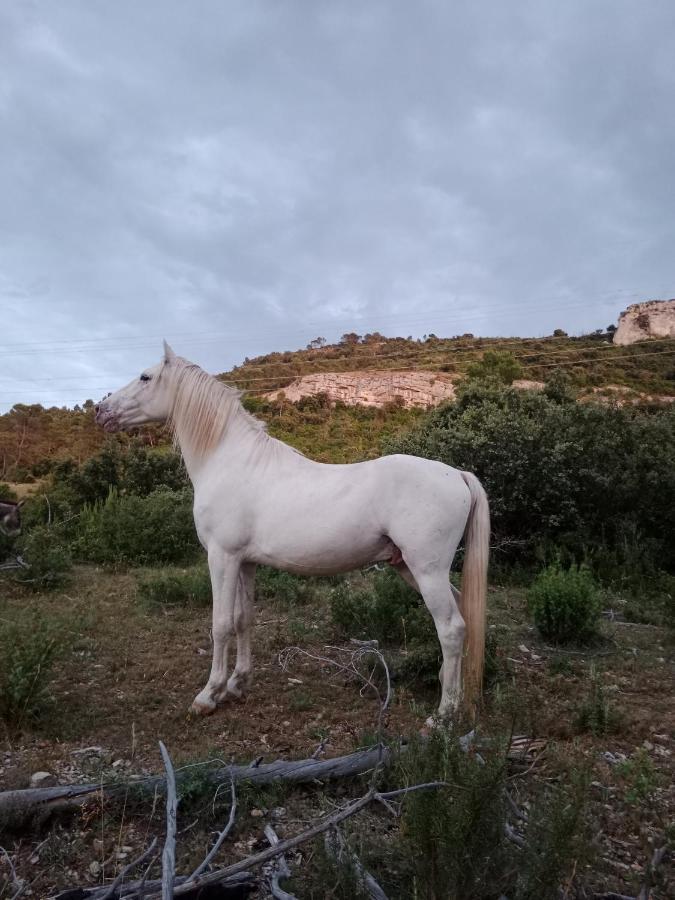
[{"x": 322, "y": 550}]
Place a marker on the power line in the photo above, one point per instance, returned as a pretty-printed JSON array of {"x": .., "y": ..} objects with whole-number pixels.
[
  {"x": 86, "y": 344},
  {"x": 418, "y": 354},
  {"x": 557, "y": 364}
]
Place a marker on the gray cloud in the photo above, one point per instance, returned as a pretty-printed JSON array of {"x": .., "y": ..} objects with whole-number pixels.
[{"x": 243, "y": 176}]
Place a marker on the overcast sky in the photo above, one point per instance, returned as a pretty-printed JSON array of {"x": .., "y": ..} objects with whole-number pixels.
[{"x": 241, "y": 177}]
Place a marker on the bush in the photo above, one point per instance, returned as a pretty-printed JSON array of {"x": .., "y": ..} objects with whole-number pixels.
[
  {"x": 565, "y": 604},
  {"x": 176, "y": 587},
  {"x": 579, "y": 479},
  {"x": 29, "y": 650},
  {"x": 283, "y": 587},
  {"x": 148, "y": 530},
  {"x": 391, "y": 612},
  {"x": 453, "y": 836},
  {"x": 47, "y": 557}
]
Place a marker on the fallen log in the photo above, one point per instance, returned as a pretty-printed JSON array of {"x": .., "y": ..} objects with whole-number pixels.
[{"x": 33, "y": 807}]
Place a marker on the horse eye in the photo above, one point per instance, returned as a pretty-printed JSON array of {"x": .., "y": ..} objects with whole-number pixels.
[{"x": 145, "y": 377}]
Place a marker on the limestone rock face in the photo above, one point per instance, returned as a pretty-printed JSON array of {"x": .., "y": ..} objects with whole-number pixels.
[
  {"x": 641, "y": 321},
  {"x": 373, "y": 388}
]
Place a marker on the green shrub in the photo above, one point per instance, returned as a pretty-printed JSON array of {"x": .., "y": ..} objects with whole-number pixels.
[
  {"x": 453, "y": 836},
  {"x": 148, "y": 530},
  {"x": 175, "y": 587},
  {"x": 46, "y": 556},
  {"x": 390, "y": 612},
  {"x": 579, "y": 479},
  {"x": 565, "y": 604},
  {"x": 6, "y": 492},
  {"x": 557, "y": 841},
  {"x": 29, "y": 649},
  {"x": 283, "y": 587}
]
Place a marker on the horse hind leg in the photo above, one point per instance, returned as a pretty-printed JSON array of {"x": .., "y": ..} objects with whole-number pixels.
[
  {"x": 441, "y": 599},
  {"x": 405, "y": 573}
]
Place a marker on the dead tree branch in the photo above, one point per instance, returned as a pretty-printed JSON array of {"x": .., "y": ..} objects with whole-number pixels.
[
  {"x": 337, "y": 847},
  {"x": 279, "y": 868},
  {"x": 169, "y": 852},
  {"x": 221, "y": 837},
  {"x": 109, "y": 892}
]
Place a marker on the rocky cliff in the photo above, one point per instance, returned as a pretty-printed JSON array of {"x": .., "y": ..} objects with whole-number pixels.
[
  {"x": 641, "y": 321},
  {"x": 373, "y": 387},
  {"x": 377, "y": 387}
]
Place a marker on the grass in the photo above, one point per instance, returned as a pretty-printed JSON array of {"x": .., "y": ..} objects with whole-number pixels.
[{"x": 175, "y": 587}]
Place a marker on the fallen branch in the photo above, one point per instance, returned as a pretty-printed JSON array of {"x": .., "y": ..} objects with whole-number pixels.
[
  {"x": 221, "y": 837},
  {"x": 23, "y": 807},
  {"x": 264, "y": 856},
  {"x": 169, "y": 852},
  {"x": 337, "y": 847},
  {"x": 108, "y": 893},
  {"x": 279, "y": 869}
]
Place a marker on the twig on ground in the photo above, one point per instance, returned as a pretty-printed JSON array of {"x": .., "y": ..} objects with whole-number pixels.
[
  {"x": 169, "y": 852},
  {"x": 280, "y": 868},
  {"x": 20, "y": 886},
  {"x": 337, "y": 847},
  {"x": 651, "y": 867},
  {"x": 354, "y": 656},
  {"x": 109, "y": 891},
  {"x": 221, "y": 837},
  {"x": 264, "y": 855}
]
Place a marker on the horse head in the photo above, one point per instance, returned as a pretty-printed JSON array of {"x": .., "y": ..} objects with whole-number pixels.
[{"x": 147, "y": 398}]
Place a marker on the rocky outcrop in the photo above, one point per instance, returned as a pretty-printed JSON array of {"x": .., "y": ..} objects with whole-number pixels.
[
  {"x": 375, "y": 387},
  {"x": 642, "y": 321}
]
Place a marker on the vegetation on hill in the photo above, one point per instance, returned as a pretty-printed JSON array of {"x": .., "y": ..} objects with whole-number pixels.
[
  {"x": 592, "y": 360},
  {"x": 32, "y": 438}
]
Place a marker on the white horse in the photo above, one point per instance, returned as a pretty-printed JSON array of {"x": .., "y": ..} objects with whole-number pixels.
[{"x": 256, "y": 500}]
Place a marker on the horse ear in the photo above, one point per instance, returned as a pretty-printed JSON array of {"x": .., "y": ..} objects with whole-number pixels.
[{"x": 169, "y": 355}]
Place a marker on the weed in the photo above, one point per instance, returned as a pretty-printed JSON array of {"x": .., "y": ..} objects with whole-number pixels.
[
  {"x": 175, "y": 587},
  {"x": 596, "y": 714},
  {"x": 640, "y": 777},
  {"x": 301, "y": 701},
  {"x": 557, "y": 840},
  {"x": 29, "y": 651},
  {"x": 298, "y": 630},
  {"x": 560, "y": 665},
  {"x": 565, "y": 604},
  {"x": 48, "y": 560}
]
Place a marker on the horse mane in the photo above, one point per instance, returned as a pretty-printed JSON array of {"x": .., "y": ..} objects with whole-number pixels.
[{"x": 203, "y": 408}]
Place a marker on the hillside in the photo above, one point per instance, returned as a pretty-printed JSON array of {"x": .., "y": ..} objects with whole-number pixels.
[{"x": 31, "y": 435}]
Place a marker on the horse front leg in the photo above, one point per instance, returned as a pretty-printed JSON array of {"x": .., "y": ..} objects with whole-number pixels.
[
  {"x": 224, "y": 572},
  {"x": 240, "y": 680}
]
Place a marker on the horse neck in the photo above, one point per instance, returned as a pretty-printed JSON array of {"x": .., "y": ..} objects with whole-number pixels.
[{"x": 240, "y": 440}]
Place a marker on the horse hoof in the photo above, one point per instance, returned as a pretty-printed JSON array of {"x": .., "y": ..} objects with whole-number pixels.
[{"x": 203, "y": 708}]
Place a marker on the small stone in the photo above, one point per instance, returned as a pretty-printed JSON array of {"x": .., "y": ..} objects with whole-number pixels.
[
  {"x": 257, "y": 813},
  {"x": 279, "y": 813},
  {"x": 42, "y": 780},
  {"x": 94, "y": 867},
  {"x": 118, "y": 763}
]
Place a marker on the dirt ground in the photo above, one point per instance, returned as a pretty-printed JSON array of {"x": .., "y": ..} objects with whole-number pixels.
[{"x": 129, "y": 674}]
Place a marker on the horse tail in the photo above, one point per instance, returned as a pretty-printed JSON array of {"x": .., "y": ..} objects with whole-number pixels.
[{"x": 474, "y": 586}]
